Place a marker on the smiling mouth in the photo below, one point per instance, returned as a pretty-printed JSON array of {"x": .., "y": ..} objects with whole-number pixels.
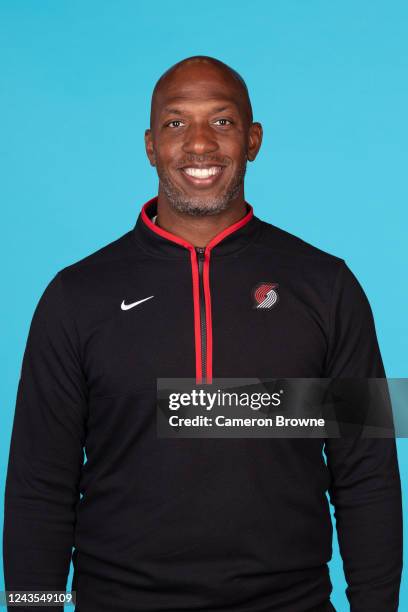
[{"x": 202, "y": 176}]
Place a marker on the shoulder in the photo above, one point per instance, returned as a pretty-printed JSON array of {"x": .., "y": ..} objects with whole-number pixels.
[
  {"x": 308, "y": 265},
  {"x": 115, "y": 252},
  {"x": 303, "y": 262},
  {"x": 285, "y": 244},
  {"x": 101, "y": 267},
  {"x": 94, "y": 275}
]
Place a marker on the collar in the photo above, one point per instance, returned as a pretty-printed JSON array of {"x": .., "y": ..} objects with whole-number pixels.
[{"x": 162, "y": 243}]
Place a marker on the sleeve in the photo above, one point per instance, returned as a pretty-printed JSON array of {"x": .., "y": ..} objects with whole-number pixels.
[
  {"x": 365, "y": 487},
  {"x": 46, "y": 452}
]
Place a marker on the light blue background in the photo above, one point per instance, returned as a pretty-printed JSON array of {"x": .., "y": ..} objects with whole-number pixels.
[{"x": 328, "y": 80}]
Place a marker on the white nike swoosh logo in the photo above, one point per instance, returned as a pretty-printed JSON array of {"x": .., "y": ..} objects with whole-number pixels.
[{"x": 133, "y": 304}]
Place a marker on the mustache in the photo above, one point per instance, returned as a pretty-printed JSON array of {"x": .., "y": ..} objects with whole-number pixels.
[{"x": 203, "y": 159}]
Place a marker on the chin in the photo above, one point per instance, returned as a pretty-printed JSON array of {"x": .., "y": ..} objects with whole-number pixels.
[
  {"x": 196, "y": 202},
  {"x": 198, "y": 206}
]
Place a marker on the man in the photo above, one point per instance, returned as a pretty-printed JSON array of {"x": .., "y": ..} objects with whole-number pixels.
[{"x": 200, "y": 288}]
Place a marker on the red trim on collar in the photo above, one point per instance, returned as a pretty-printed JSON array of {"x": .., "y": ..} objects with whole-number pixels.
[
  {"x": 159, "y": 230},
  {"x": 213, "y": 242}
]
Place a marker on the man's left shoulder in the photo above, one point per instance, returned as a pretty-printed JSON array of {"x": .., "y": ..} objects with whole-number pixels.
[{"x": 293, "y": 250}]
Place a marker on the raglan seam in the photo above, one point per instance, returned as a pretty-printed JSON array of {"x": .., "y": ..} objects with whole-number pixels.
[{"x": 330, "y": 328}]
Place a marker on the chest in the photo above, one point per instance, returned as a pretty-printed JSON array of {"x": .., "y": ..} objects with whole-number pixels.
[{"x": 257, "y": 319}]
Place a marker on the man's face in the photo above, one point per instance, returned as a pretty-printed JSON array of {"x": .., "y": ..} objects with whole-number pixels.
[{"x": 200, "y": 139}]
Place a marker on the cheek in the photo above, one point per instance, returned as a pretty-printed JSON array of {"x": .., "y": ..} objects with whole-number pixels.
[
  {"x": 238, "y": 158},
  {"x": 169, "y": 153},
  {"x": 235, "y": 148}
]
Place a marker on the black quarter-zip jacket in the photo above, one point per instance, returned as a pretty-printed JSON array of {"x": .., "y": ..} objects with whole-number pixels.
[{"x": 161, "y": 524}]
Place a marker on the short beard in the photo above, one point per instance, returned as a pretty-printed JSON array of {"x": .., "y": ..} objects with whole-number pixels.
[{"x": 197, "y": 206}]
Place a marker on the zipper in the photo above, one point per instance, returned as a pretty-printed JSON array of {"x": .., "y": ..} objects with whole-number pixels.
[
  {"x": 203, "y": 321},
  {"x": 200, "y": 267}
]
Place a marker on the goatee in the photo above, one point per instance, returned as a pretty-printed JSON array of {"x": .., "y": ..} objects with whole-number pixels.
[{"x": 199, "y": 206}]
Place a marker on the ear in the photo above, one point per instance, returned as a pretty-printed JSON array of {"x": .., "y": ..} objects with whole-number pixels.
[
  {"x": 254, "y": 140},
  {"x": 150, "y": 147}
]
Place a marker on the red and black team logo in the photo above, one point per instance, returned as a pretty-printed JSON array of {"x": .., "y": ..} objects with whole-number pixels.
[{"x": 264, "y": 295}]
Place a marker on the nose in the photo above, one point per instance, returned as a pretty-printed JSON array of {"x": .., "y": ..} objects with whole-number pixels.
[{"x": 199, "y": 139}]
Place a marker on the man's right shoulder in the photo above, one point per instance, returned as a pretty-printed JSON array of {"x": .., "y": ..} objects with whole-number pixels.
[
  {"x": 105, "y": 260},
  {"x": 118, "y": 250},
  {"x": 100, "y": 271}
]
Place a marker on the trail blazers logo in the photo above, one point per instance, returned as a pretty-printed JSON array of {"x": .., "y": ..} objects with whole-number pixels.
[{"x": 265, "y": 295}]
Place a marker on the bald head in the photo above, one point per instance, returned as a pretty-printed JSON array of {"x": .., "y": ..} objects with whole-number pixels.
[
  {"x": 201, "y": 67},
  {"x": 201, "y": 136}
]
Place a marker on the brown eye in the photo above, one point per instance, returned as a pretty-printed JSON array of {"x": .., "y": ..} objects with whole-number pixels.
[
  {"x": 172, "y": 124},
  {"x": 223, "y": 122}
]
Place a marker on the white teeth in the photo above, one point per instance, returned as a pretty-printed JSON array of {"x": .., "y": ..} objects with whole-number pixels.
[{"x": 202, "y": 172}]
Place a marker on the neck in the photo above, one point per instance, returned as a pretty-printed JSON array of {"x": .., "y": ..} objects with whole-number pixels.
[{"x": 198, "y": 231}]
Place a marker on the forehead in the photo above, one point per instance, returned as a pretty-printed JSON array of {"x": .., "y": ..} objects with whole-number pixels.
[
  {"x": 199, "y": 84},
  {"x": 180, "y": 104}
]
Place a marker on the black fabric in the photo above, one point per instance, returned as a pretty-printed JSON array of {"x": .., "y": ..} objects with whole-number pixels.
[
  {"x": 326, "y": 606},
  {"x": 195, "y": 524}
]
